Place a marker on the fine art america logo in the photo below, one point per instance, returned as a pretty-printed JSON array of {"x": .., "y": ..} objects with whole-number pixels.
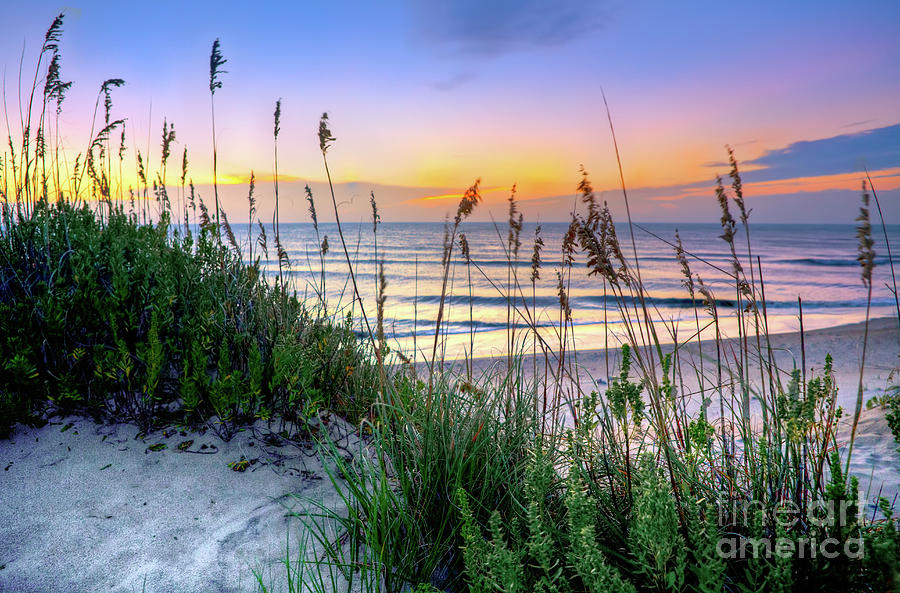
[{"x": 819, "y": 516}]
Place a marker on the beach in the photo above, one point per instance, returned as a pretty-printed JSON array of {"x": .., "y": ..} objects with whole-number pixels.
[
  {"x": 875, "y": 460},
  {"x": 93, "y": 507}
]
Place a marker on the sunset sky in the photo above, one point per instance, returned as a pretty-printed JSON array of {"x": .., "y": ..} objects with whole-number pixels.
[{"x": 424, "y": 97}]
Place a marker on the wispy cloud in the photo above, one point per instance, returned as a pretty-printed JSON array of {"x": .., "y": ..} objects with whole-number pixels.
[
  {"x": 457, "y": 196},
  {"x": 878, "y": 148},
  {"x": 889, "y": 179},
  {"x": 454, "y": 82},
  {"x": 491, "y": 28},
  {"x": 856, "y": 124}
]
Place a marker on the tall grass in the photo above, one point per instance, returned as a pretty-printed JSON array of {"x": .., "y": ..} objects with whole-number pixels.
[
  {"x": 468, "y": 486},
  {"x": 216, "y": 61},
  {"x": 105, "y": 312},
  {"x": 503, "y": 480}
]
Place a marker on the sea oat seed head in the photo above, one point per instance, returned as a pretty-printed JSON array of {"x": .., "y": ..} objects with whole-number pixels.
[{"x": 325, "y": 136}]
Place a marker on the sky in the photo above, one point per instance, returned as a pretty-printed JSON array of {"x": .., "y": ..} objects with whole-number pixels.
[{"x": 426, "y": 96}]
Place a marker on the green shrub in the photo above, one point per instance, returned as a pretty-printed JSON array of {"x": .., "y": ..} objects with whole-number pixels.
[{"x": 148, "y": 324}]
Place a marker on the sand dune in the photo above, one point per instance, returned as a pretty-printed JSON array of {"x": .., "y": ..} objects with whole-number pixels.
[
  {"x": 87, "y": 507},
  {"x": 95, "y": 508}
]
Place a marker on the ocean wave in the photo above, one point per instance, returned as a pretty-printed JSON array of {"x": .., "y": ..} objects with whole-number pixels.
[
  {"x": 599, "y": 301},
  {"x": 405, "y": 328},
  {"x": 832, "y": 262}
]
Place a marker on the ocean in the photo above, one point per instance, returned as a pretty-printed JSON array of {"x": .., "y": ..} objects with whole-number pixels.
[{"x": 814, "y": 263}]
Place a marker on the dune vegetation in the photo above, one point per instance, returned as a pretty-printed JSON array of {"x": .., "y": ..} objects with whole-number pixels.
[{"x": 139, "y": 304}]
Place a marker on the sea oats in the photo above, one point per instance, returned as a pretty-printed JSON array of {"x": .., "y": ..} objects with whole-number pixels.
[
  {"x": 216, "y": 61},
  {"x": 536, "y": 255},
  {"x": 866, "y": 250},
  {"x": 563, "y": 296},
  {"x": 688, "y": 281},
  {"x": 325, "y": 135},
  {"x": 737, "y": 186},
  {"x": 470, "y": 199},
  {"x": 312, "y": 208},
  {"x": 514, "y": 221},
  {"x": 464, "y": 248}
]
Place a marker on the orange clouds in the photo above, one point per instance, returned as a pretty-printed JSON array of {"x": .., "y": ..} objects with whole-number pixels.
[
  {"x": 456, "y": 196},
  {"x": 237, "y": 179}
]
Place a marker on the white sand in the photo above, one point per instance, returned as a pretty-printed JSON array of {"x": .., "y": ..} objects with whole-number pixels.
[
  {"x": 875, "y": 459},
  {"x": 184, "y": 521}
]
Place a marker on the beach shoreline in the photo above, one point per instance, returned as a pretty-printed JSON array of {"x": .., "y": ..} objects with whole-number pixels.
[
  {"x": 875, "y": 460},
  {"x": 842, "y": 342}
]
